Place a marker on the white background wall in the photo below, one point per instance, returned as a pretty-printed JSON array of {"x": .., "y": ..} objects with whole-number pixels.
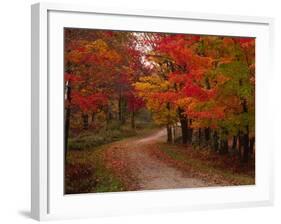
[{"x": 15, "y": 110}]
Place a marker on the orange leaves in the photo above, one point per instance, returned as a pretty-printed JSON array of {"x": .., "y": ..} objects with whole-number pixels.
[
  {"x": 74, "y": 56},
  {"x": 228, "y": 41},
  {"x": 212, "y": 113},
  {"x": 164, "y": 97},
  {"x": 221, "y": 79}
]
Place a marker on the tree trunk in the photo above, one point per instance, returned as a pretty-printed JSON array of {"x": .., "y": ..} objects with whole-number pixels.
[
  {"x": 216, "y": 141},
  {"x": 245, "y": 137},
  {"x": 207, "y": 134},
  {"x": 124, "y": 106},
  {"x": 190, "y": 134},
  {"x": 224, "y": 146},
  {"x": 252, "y": 143},
  {"x": 199, "y": 136},
  {"x": 108, "y": 113},
  {"x": 184, "y": 126},
  {"x": 174, "y": 134},
  {"x": 169, "y": 134},
  {"x": 93, "y": 117},
  {"x": 120, "y": 108},
  {"x": 67, "y": 118},
  {"x": 234, "y": 143},
  {"x": 246, "y": 149},
  {"x": 184, "y": 130},
  {"x": 133, "y": 124},
  {"x": 85, "y": 121},
  {"x": 240, "y": 145}
]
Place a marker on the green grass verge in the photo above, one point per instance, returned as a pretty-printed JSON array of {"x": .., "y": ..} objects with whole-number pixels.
[
  {"x": 98, "y": 178},
  {"x": 88, "y": 139},
  {"x": 86, "y": 170},
  {"x": 206, "y": 167}
]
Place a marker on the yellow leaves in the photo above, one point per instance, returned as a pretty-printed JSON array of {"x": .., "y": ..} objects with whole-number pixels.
[
  {"x": 93, "y": 46},
  {"x": 74, "y": 56},
  {"x": 143, "y": 87},
  {"x": 184, "y": 102},
  {"x": 102, "y": 49},
  {"x": 158, "y": 96},
  {"x": 93, "y": 51},
  {"x": 152, "y": 83}
]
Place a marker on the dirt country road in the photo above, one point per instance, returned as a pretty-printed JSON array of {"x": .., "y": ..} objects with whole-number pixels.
[{"x": 149, "y": 172}]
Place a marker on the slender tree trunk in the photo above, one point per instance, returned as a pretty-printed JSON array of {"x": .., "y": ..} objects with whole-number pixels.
[
  {"x": 67, "y": 118},
  {"x": 252, "y": 143},
  {"x": 93, "y": 117},
  {"x": 246, "y": 149},
  {"x": 124, "y": 106},
  {"x": 85, "y": 118},
  {"x": 199, "y": 136},
  {"x": 216, "y": 141},
  {"x": 184, "y": 126},
  {"x": 169, "y": 134},
  {"x": 234, "y": 142},
  {"x": 133, "y": 124},
  {"x": 240, "y": 145},
  {"x": 190, "y": 133},
  {"x": 184, "y": 130},
  {"x": 92, "y": 120},
  {"x": 108, "y": 113},
  {"x": 120, "y": 107},
  {"x": 174, "y": 133},
  {"x": 66, "y": 134},
  {"x": 245, "y": 136},
  {"x": 207, "y": 134},
  {"x": 223, "y": 146}
]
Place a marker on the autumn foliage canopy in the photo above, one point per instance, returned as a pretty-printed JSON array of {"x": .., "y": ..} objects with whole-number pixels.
[{"x": 193, "y": 81}]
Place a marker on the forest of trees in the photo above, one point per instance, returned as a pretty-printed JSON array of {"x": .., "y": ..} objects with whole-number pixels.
[{"x": 202, "y": 85}]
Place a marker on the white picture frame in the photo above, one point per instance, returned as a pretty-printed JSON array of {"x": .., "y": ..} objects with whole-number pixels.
[{"x": 48, "y": 201}]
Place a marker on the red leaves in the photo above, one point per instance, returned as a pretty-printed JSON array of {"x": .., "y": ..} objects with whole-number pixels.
[
  {"x": 245, "y": 42},
  {"x": 201, "y": 94},
  {"x": 134, "y": 103},
  {"x": 195, "y": 91},
  {"x": 88, "y": 102},
  {"x": 72, "y": 78},
  {"x": 109, "y": 33},
  {"x": 178, "y": 78}
]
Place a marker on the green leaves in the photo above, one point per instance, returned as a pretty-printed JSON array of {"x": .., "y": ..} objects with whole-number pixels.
[{"x": 236, "y": 70}]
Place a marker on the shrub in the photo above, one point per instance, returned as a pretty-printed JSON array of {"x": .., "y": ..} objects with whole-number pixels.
[{"x": 79, "y": 178}]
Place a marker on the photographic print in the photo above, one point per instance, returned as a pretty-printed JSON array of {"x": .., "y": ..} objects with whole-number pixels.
[{"x": 150, "y": 111}]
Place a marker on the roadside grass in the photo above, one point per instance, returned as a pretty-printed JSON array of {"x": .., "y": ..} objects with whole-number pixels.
[
  {"x": 87, "y": 169},
  {"x": 88, "y": 139},
  {"x": 215, "y": 168},
  {"x": 97, "y": 179}
]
